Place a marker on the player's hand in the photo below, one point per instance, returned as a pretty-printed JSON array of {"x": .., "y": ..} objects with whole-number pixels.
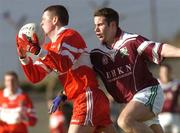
[
  {"x": 56, "y": 102},
  {"x": 28, "y": 45},
  {"x": 21, "y": 52}
]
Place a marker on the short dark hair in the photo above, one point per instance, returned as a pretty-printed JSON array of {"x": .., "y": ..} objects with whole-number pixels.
[
  {"x": 59, "y": 11},
  {"x": 11, "y": 73},
  {"x": 109, "y": 14}
]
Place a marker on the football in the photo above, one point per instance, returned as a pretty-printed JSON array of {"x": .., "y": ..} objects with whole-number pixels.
[{"x": 31, "y": 28}]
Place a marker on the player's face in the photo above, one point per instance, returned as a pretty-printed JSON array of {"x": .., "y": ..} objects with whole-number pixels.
[
  {"x": 47, "y": 22},
  {"x": 10, "y": 82},
  {"x": 104, "y": 32}
]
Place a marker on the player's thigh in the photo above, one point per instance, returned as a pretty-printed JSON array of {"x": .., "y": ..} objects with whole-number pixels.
[
  {"x": 108, "y": 129},
  {"x": 157, "y": 128},
  {"x": 80, "y": 129},
  {"x": 145, "y": 104},
  {"x": 152, "y": 97},
  {"x": 136, "y": 111}
]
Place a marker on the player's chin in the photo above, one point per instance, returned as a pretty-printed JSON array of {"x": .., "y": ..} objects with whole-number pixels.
[
  {"x": 45, "y": 32},
  {"x": 101, "y": 40}
]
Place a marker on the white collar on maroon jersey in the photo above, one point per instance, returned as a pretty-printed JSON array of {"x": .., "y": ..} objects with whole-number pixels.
[
  {"x": 7, "y": 93},
  {"x": 123, "y": 39}
]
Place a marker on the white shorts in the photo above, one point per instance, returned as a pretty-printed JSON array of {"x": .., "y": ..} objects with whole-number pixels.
[
  {"x": 153, "y": 98},
  {"x": 170, "y": 122}
]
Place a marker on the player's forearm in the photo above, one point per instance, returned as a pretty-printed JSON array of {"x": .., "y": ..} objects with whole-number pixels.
[
  {"x": 33, "y": 73},
  {"x": 170, "y": 51}
]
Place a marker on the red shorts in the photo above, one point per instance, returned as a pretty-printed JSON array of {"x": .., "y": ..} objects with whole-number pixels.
[{"x": 92, "y": 108}]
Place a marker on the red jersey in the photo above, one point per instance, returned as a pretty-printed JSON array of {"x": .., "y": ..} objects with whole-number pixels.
[
  {"x": 123, "y": 67},
  {"x": 16, "y": 112},
  {"x": 171, "y": 96},
  {"x": 66, "y": 56},
  {"x": 56, "y": 122}
]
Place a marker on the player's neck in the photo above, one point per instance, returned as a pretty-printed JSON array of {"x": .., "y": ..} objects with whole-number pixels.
[
  {"x": 109, "y": 43},
  {"x": 12, "y": 91},
  {"x": 113, "y": 39},
  {"x": 53, "y": 34}
]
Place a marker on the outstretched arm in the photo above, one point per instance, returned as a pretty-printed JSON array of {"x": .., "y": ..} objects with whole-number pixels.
[{"x": 170, "y": 51}]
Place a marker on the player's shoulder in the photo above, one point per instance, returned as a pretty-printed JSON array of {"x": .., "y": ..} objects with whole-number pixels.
[
  {"x": 73, "y": 38},
  {"x": 129, "y": 39},
  {"x": 69, "y": 32},
  {"x": 127, "y": 35}
]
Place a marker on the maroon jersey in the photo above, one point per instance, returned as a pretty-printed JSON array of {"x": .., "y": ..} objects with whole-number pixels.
[
  {"x": 171, "y": 96},
  {"x": 123, "y": 68}
]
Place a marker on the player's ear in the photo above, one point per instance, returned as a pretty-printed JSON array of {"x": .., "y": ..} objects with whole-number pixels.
[{"x": 55, "y": 20}]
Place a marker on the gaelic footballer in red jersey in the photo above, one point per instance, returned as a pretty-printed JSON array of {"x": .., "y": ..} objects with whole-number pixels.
[
  {"x": 16, "y": 109},
  {"x": 66, "y": 55},
  {"x": 121, "y": 63},
  {"x": 170, "y": 116}
]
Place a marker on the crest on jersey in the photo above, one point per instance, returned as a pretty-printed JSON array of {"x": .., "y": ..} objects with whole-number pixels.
[
  {"x": 124, "y": 51},
  {"x": 104, "y": 60}
]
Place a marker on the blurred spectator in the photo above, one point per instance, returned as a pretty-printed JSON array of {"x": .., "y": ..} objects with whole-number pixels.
[
  {"x": 57, "y": 121},
  {"x": 16, "y": 109},
  {"x": 170, "y": 116}
]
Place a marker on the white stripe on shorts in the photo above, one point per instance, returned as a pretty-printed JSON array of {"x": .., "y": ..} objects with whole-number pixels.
[{"x": 89, "y": 102}]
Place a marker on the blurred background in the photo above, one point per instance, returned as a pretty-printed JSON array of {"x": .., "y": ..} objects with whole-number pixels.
[{"x": 157, "y": 20}]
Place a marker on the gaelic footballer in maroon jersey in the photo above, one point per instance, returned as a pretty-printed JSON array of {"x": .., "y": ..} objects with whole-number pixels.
[
  {"x": 123, "y": 68},
  {"x": 121, "y": 62}
]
